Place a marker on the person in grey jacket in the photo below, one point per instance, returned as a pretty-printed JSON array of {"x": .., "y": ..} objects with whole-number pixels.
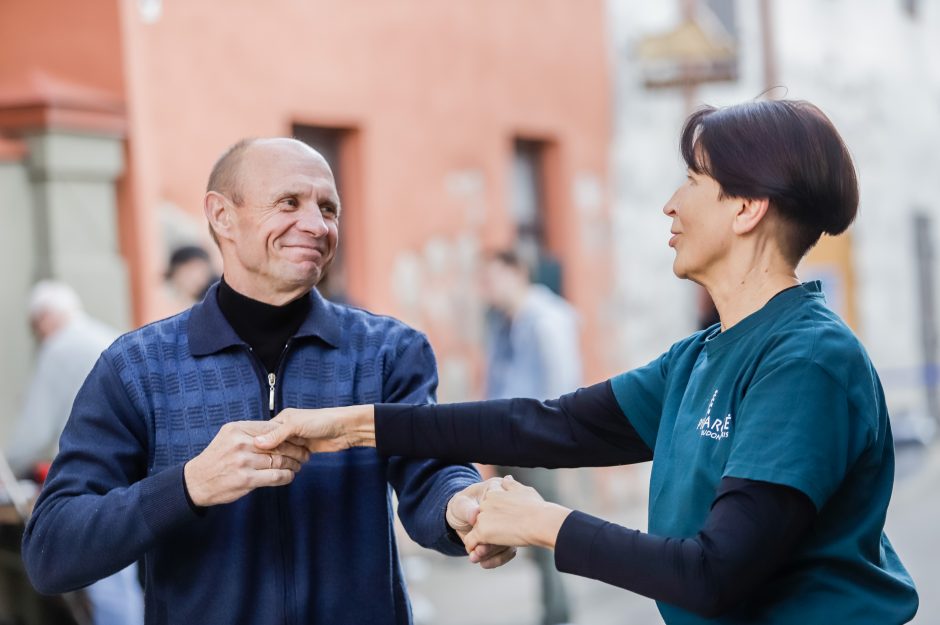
[{"x": 70, "y": 342}]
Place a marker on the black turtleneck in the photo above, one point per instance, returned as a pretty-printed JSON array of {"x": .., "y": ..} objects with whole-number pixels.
[{"x": 264, "y": 327}]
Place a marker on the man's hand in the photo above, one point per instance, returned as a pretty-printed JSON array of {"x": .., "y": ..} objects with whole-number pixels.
[
  {"x": 462, "y": 510},
  {"x": 322, "y": 430},
  {"x": 516, "y": 515},
  {"x": 231, "y": 467}
]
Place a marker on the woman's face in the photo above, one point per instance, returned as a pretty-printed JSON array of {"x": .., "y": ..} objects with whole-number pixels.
[{"x": 701, "y": 227}]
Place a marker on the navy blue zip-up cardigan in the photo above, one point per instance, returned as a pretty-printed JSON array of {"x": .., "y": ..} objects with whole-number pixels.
[{"x": 320, "y": 550}]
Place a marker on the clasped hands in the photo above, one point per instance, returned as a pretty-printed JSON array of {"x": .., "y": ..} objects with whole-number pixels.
[
  {"x": 498, "y": 515},
  {"x": 492, "y": 518}
]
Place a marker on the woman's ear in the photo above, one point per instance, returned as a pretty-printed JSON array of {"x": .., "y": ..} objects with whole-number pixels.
[
  {"x": 750, "y": 213},
  {"x": 219, "y": 214}
]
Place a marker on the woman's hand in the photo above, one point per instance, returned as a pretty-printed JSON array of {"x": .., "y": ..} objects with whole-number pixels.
[
  {"x": 322, "y": 430},
  {"x": 516, "y": 516},
  {"x": 461, "y": 514}
]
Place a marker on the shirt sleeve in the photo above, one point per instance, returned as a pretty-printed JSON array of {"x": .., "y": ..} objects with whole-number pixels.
[
  {"x": 749, "y": 534},
  {"x": 45, "y": 409},
  {"x": 580, "y": 429},
  {"x": 559, "y": 354},
  {"x": 424, "y": 487},
  {"x": 99, "y": 511},
  {"x": 640, "y": 394},
  {"x": 795, "y": 427}
]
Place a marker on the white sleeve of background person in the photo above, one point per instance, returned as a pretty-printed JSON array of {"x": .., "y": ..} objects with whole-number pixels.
[
  {"x": 62, "y": 365},
  {"x": 41, "y": 418},
  {"x": 559, "y": 345}
]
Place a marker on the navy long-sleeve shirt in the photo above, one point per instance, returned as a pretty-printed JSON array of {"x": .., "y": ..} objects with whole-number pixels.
[
  {"x": 302, "y": 553},
  {"x": 748, "y": 535}
]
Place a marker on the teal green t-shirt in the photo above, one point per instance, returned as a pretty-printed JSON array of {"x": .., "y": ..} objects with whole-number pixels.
[{"x": 787, "y": 396}]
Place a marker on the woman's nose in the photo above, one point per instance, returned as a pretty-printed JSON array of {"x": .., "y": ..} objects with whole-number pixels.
[{"x": 669, "y": 208}]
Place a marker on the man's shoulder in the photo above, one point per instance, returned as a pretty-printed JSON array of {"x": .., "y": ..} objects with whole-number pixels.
[
  {"x": 354, "y": 320},
  {"x": 152, "y": 336}
]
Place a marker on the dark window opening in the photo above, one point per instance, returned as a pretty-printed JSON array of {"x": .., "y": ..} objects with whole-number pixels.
[
  {"x": 527, "y": 206},
  {"x": 329, "y": 143}
]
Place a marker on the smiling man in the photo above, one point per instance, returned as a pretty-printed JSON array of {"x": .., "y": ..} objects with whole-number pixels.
[{"x": 157, "y": 461}]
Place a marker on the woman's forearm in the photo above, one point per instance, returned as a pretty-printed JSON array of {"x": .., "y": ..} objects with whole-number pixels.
[
  {"x": 752, "y": 530},
  {"x": 584, "y": 428}
]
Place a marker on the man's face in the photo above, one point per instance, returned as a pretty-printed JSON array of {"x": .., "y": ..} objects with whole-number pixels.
[
  {"x": 499, "y": 283},
  {"x": 46, "y": 323},
  {"x": 286, "y": 230},
  {"x": 191, "y": 278}
]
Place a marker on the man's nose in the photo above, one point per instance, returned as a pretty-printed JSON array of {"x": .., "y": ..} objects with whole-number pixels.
[{"x": 312, "y": 221}]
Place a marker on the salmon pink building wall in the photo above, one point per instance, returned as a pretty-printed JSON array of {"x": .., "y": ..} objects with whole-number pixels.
[{"x": 432, "y": 95}]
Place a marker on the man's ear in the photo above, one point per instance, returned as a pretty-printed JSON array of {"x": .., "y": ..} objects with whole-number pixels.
[
  {"x": 219, "y": 213},
  {"x": 750, "y": 214}
]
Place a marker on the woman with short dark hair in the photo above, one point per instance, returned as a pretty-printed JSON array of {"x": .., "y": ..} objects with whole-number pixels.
[{"x": 773, "y": 462}]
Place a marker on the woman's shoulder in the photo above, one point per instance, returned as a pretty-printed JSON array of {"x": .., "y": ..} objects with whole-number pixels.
[{"x": 818, "y": 335}]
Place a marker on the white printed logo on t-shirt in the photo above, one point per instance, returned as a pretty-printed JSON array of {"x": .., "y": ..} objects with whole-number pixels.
[{"x": 714, "y": 427}]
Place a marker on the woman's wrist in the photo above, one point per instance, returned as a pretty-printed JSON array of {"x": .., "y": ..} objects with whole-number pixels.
[
  {"x": 359, "y": 425},
  {"x": 549, "y": 520}
]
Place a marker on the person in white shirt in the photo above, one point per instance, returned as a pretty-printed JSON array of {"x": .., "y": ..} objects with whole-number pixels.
[{"x": 69, "y": 345}]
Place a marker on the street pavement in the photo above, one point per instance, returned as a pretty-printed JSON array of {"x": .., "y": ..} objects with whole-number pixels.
[
  {"x": 913, "y": 525},
  {"x": 451, "y": 591}
]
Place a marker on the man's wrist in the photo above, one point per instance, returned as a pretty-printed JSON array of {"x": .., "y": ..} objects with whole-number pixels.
[{"x": 191, "y": 496}]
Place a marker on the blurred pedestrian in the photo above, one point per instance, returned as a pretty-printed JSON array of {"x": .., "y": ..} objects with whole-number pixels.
[
  {"x": 771, "y": 447},
  {"x": 69, "y": 344},
  {"x": 190, "y": 274},
  {"x": 532, "y": 350}
]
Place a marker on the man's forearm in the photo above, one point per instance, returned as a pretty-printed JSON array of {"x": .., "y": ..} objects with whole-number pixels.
[{"x": 74, "y": 540}]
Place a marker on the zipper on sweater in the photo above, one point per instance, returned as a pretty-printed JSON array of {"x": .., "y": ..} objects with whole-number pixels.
[
  {"x": 272, "y": 380},
  {"x": 262, "y": 373},
  {"x": 271, "y": 377},
  {"x": 280, "y": 498},
  {"x": 276, "y": 494}
]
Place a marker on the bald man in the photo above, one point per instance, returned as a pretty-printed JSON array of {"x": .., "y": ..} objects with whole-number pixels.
[{"x": 157, "y": 460}]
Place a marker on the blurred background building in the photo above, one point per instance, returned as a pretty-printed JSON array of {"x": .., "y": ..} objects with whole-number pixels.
[
  {"x": 452, "y": 128},
  {"x": 455, "y": 128},
  {"x": 871, "y": 65}
]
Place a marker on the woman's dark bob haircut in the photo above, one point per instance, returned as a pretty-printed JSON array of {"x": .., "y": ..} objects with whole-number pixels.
[{"x": 784, "y": 150}]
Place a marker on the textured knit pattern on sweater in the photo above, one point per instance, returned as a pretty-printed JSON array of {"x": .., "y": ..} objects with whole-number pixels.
[{"x": 301, "y": 553}]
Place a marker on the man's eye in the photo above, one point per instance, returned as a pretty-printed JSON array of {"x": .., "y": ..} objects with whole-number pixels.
[
  {"x": 291, "y": 201},
  {"x": 328, "y": 209}
]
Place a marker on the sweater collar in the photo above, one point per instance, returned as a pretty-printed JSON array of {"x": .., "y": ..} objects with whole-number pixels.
[{"x": 210, "y": 332}]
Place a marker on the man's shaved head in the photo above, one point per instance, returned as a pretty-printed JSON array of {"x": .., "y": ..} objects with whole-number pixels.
[
  {"x": 273, "y": 209},
  {"x": 225, "y": 175}
]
